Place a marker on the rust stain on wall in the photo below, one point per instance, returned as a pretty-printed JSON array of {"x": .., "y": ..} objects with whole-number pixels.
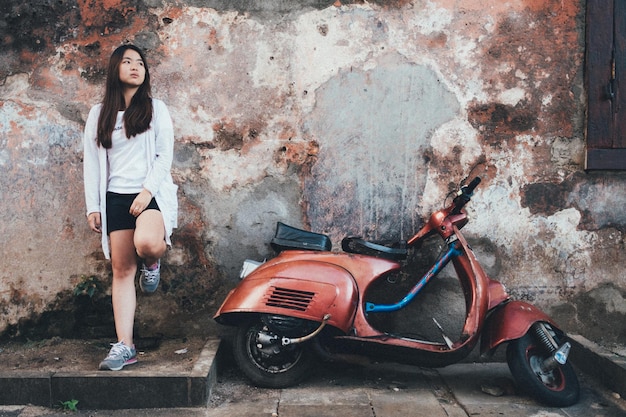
[
  {"x": 106, "y": 15},
  {"x": 228, "y": 136},
  {"x": 501, "y": 123},
  {"x": 88, "y": 30},
  {"x": 544, "y": 198},
  {"x": 347, "y": 117},
  {"x": 299, "y": 154},
  {"x": 531, "y": 52}
]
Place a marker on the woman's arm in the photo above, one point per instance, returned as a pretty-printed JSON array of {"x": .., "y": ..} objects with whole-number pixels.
[
  {"x": 91, "y": 163},
  {"x": 164, "y": 133}
]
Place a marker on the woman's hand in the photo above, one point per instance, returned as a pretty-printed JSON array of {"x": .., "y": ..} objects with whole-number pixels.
[
  {"x": 140, "y": 203},
  {"x": 95, "y": 222}
]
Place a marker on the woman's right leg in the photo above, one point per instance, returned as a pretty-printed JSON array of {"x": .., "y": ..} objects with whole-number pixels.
[{"x": 124, "y": 263}]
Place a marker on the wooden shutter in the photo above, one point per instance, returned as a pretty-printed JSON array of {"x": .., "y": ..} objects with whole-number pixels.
[{"x": 606, "y": 84}]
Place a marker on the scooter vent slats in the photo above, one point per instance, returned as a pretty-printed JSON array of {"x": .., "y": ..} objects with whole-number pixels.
[{"x": 289, "y": 298}]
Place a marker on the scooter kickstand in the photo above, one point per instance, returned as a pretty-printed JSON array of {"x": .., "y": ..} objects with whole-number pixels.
[{"x": 445, "y": 338}]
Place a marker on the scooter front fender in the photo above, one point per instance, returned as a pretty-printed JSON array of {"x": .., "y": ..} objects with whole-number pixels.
[
  {"x": 510, "y": 321},
  {"x": 305, "y": 289}
]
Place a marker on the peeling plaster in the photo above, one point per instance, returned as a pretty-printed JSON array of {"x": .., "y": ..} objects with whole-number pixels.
[
  {"x": 358, "y": 118},
  {"x": 322, "y": 54},
  {"x": 512, "y": 96},
  {"x": 432, "y": 19}
]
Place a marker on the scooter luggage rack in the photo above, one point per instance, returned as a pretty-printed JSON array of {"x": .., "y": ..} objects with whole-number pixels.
[{"x": 288, "y": 237}]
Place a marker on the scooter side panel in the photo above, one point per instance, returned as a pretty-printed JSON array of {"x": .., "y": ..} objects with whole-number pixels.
[
  {"x": 509, "y": 322},
  {"x": 281, "y": 289}
]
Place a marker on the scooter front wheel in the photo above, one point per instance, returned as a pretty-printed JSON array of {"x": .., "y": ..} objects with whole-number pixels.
[
  {"x": 557, "y": 387},
  {"x": 261, "y": 356}
]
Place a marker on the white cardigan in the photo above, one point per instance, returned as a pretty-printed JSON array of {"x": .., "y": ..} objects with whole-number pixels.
[{"x": 159, "y": 153}]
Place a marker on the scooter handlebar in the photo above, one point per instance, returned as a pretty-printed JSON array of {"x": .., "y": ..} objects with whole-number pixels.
[
  {"x": 462, "y": 198},
  {"x": 465, "y": 195},
  {"x": 472, "y": 185}
]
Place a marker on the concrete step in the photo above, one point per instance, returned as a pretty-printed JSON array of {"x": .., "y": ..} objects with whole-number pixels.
[
  {"x": 607, "y": 367},
  {"x": 139, "y": 387}
]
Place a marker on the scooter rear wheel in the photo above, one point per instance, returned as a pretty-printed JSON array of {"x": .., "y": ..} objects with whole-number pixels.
[
  {"x": 261, "y": 356},
  {"x": 557, "y": 388}
]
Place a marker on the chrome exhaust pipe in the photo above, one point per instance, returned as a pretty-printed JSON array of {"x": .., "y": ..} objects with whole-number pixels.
[{"x": 288, "y": 341}]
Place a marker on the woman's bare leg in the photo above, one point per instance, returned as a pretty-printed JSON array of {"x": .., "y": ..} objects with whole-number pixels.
[{"x": 124, "y": 297}]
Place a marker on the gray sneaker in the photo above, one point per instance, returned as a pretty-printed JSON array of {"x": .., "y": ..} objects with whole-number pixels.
[
  {"x": 119, "y": 356},
  {"x": 149, "y": 280}
]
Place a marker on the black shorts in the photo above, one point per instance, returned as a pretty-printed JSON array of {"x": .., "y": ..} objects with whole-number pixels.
[{"x": 118, "y": 211}]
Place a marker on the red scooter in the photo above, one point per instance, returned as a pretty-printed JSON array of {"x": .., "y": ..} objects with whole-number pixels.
[{"x": 309, "y": 302}]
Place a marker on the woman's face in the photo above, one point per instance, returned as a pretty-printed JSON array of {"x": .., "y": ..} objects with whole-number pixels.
[{"x": 132, "y": 69}]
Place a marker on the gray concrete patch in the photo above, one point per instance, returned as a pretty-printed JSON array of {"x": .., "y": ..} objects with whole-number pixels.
[{"x": 406, "y": 403}]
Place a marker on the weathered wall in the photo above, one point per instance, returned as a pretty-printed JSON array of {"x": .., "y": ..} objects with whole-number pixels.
[{"x": 354, "y": 118}]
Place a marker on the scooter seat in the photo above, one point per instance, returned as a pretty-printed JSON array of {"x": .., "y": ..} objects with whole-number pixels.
[
  {"x": 288, "y": 237},
  {"x": 397, "y": 251}
]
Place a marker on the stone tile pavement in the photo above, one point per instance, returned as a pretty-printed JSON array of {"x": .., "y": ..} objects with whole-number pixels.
[{"x": 373, "y": 390}]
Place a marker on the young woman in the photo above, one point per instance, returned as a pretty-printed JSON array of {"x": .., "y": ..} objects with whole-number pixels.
[{"x": 129, "y": 192}]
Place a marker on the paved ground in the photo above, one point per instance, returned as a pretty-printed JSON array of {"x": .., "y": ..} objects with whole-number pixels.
[{"x": 376, "y": 390}]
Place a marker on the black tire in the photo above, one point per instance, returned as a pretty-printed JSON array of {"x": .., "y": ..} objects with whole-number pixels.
[
  {"x": 269, "y": 364},
  {"x": 558, "y": 388}
]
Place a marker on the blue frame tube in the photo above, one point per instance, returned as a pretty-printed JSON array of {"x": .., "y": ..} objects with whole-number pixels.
[{"x": 434, "y": 270}]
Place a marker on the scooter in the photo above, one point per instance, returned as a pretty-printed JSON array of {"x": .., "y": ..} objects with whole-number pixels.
[{"x": 310, "y": 302}]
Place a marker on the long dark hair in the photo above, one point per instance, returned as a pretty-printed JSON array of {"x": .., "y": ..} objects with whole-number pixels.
[{"x": 138, "y": 115}]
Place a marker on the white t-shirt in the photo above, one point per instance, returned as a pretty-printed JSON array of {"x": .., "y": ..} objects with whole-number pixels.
[{"x": 128, "y": 166}]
